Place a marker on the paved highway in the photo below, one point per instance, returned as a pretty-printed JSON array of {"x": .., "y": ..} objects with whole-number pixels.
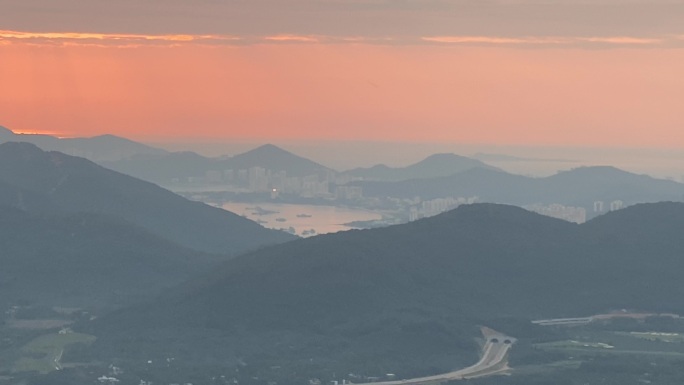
[
  {"x": 493, "y": 361},
  {"x": 597, "y": 317}
]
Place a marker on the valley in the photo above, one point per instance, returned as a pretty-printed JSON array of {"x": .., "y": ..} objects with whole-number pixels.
[{"x": 130, "y": 283}]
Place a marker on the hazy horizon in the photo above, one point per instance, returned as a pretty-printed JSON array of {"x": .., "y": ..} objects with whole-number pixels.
[
  {"x": 505, "y": 73},
  {"x": 532, "y": 160},
  {"x": 529, "y": 160}
]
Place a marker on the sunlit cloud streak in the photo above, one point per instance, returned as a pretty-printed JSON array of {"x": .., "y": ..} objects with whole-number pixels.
[
  {"x": 548, "y": 41},
  {"x": 138, "y": 40},
  {"x": 110, "y": 39},
  {"x": 294, "y": 38},
  {"x": 488, "y": 40},
  {"x": 620, "y": 40}
]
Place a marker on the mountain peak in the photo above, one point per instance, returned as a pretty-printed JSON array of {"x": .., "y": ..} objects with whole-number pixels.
[
  {"x": 110, "y": 137},
  {"x": 275, "y": 158},
  {"x": 451, "y": 160},
  {"x": 269, "y": 147},
  {"x": 268, "y": 150},
  {"x": 487, "y": 212},
  {"x": 443, "y": 156},
  {"x": 436, "y": 165},
  {"x": 598, "y": 173}
]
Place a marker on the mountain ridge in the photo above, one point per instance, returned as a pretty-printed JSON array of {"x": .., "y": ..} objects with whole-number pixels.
[
  {"x": 97, "y": 148},
  {"x": 436, "y": 165},
  {"x": 187, "y": 165},
  {"x": 380, "y": 295},
  {"x": 71, "y": 184},
  {"x": 577, "y": 187}
]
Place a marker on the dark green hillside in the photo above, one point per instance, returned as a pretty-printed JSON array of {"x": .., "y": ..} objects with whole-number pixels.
[
  {"x": 87, "y": 260},
  {"x": 336, "y": 277},
  {"x": 72, "y": 184},
  {"x": 637, "y": 252},
  {"x": 13, "y": 196},
  {"x": 405, "y": 296}
]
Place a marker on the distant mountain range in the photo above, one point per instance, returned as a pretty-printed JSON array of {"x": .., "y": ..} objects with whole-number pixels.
[
  {"x": 161, "y": 166},
  {"x": 438, "y": 165},
  {"x": 186, "y": 165},
  {"x": 98, "y": 148},
  {"x": 578, "y": 187},
  {"x": 437, "y": 176},
  {"x": 406, "y": 299},
  {"x": 51, "y": 182}
]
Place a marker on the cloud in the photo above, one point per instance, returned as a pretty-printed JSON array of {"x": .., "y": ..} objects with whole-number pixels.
[
  {"x": 487, "y": 40},
  {"x": 293, "y": 38},
  {"x": 622, "y": 40},
  {"x": 113, "y": 39},
  {"x": 139, "y": 40},
  {"x": 587, "y": 42}
]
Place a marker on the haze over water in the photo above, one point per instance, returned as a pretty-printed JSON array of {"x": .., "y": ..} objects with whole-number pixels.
[{"x": 322, "y": 219}]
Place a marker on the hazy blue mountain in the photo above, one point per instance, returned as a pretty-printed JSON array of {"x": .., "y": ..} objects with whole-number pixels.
[
  {"x": 174, "y": 166},
  {"x": 275, "y": 158},
  {"x": 97, "y": 148},
  {"x": 578, "y": 187},
  {"x": 183, "y": 166},
  {"x": 407, "y": 297},
  {"x": 437, "y": 165},
  {"x": 5, "y": 134},
  {"x": 70, "y": 185},
  {"x": 87, "y": 260}
]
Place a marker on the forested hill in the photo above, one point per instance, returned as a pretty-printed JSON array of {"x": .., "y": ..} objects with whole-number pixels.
[
  {"x": 87, "y": 260},
  {"x": 70, "y": 184},
  {"x": 385, "y": 292}
]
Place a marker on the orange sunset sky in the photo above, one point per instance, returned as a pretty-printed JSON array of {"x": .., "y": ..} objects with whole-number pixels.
[{"x": 511, "y": 72}]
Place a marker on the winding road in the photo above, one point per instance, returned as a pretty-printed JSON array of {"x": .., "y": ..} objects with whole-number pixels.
[{"x": 494, "y": 360}]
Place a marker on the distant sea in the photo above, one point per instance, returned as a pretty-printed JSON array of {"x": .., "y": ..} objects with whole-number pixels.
[{"x": 303, "y": 220}]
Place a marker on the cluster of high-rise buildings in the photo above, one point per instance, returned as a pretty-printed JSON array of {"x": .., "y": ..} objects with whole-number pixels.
[
  {"x": 556, "y": 210},
  {"x": 574, "y": 214},
  {"x": 600, "y": 206}
]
